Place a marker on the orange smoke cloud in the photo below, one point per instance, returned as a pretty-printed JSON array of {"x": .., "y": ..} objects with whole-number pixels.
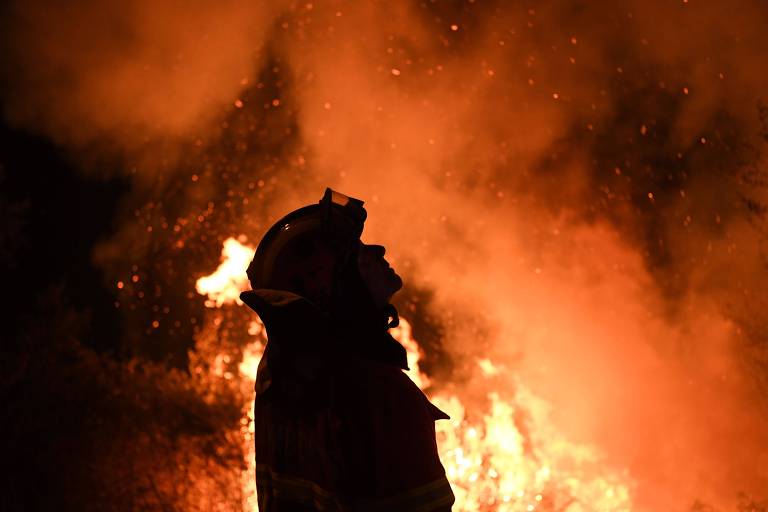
[{"x": 127, "y": 73}]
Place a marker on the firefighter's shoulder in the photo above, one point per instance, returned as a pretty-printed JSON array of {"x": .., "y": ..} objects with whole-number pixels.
[{"x": 381, "y": 386}]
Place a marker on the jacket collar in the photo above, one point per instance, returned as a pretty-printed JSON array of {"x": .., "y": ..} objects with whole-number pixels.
[{"x": 299, "y": 327}]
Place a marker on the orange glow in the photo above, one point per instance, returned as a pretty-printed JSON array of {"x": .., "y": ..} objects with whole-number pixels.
[
  {"x": 501, "y": 453},
  {"x": 575, "y": 193}
]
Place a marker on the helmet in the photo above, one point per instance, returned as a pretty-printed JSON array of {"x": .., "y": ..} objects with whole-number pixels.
[{"x": 305, "y": 251}]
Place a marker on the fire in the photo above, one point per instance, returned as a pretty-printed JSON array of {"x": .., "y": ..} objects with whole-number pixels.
[
  {"x": 501, "y": 456},
  {"x": 496, "y": 461},
  {"x": 225, "y": 284},
  {"x": 247, "y": 370}
]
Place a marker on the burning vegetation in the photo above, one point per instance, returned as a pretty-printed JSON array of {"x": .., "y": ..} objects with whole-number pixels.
[{"x": 576, "y": 195}]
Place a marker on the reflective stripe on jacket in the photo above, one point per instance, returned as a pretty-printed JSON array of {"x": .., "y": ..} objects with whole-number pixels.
[{"x": 294, "y": 492}]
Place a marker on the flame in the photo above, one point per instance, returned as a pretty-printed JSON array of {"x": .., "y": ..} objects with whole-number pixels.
[
  {"x": 247, "y": 370},
  {"x": 225, "y": 284},
  {"x": 500, "y": 456},
  {"x": 497, "y": 461},
  {"x": 402, "y": 333}
]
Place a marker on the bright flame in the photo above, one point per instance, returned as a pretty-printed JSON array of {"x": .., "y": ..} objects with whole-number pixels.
[
  {"x": 488, "y": 368},
  {"x": 251, "y": 359},
  {"x": 226, "y": 283},
  {"x": 501, "y": 456},
  {"x": 510, "y": 458},
  {"x": 402, "y": 333}
]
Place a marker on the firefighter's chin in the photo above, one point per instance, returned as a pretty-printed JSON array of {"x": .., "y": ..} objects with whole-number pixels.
[
  {"x": 382, "y": 284},
  {"x": 396, "y": 281},
  {"x": 393, "y": 284}
]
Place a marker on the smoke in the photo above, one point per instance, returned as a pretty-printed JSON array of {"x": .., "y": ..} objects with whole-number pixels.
[
  {"x": 570, "y": 176},
  {"x": 127, "y": 74},
  {"x": 579, "y": 183}
]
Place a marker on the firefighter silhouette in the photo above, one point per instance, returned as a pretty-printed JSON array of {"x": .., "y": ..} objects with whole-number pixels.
[{"x": 338, "y": 425}]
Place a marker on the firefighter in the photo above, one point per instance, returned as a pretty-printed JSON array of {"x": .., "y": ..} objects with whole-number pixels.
[{"x": 338, "y": 425}]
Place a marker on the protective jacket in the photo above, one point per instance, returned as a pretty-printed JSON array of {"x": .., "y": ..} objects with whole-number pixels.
[{"x": 339, "y": 426}]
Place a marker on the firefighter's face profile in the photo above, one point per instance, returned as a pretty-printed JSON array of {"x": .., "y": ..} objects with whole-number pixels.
[{"x": 380, "y": 278}]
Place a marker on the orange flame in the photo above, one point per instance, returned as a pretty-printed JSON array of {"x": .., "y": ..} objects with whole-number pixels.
[
  {"x": 225, "y": 284},
  {"x": 503, "y": 457}
]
